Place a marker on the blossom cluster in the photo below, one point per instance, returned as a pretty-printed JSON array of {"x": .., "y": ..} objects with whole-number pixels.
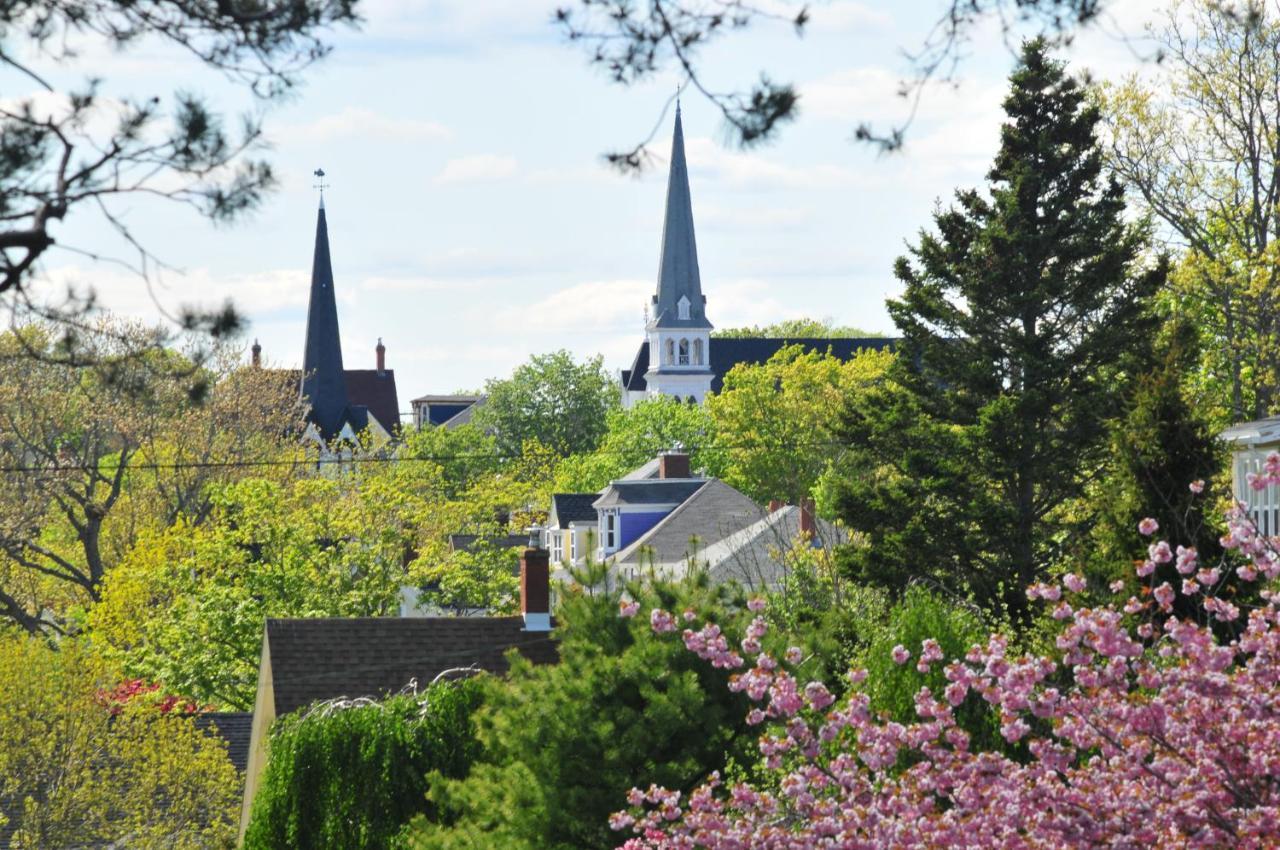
[{"x": 1142, "y": 729}]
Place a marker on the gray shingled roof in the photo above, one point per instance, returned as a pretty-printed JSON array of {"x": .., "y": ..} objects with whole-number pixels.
[
  {"x": 715, "y": 511},
  {"x": 233, "y": 727},
  {"x": 572, "y": 507},
  {"x": 724, "y": 354},
  {"x": 319, "y": 659},
  {"x": 678, "y": 268},
  {"x": 655, "y": 491},
  {"x": 749, "y": 555}
]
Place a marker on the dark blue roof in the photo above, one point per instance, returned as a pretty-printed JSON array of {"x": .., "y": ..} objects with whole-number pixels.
[
  {"x": 323, "y": 381},
  {"x": 573, "y": 507},
  {"x": 441, "y": 412},
  {"x": 724, "y": 354}
]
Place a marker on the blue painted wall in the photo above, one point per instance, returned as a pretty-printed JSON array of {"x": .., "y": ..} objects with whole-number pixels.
[{"x": 634, "y": 525}]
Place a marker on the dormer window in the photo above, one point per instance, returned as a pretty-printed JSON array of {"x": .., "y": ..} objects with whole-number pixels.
[
  {"x": 684, "y": 352},
  {"x": 683, "y": 306},
  {"x": 610, "y": 532}
]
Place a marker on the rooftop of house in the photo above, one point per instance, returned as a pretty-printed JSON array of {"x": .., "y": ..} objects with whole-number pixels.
[
  {"x": 446, "y": 399},
  {"x": 724, "y": 354},
  {"x": 709, "y": 514},
  {"x": 327, "y": 658},
  {"x": 572, "y": 507},
  {"x": 750, "y": 555},
  {"x": 1259, "y": 432},
  {"x": 654, "y": 491},
  {"x": 234, "y": 728}
]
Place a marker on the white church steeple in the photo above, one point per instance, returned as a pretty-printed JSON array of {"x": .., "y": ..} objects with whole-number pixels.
[{"x": 679, "y": 333}]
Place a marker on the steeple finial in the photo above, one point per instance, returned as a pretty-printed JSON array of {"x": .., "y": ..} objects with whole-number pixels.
[
  {"x": 679, "y": 302},
  {"x": 320, "y": 184}
]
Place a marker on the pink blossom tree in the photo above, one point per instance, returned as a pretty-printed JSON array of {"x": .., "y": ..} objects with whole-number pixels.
[{"x": 1143, "y": 729}]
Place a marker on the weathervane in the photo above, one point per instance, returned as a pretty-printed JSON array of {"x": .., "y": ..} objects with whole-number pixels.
[{"x": 319, "y": 184}]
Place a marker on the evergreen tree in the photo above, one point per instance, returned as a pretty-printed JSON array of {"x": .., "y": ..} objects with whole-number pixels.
[{"x": 1021, "y": 318}]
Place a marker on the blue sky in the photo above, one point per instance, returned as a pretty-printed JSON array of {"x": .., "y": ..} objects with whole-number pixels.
[{"x": 473, "y": 224}]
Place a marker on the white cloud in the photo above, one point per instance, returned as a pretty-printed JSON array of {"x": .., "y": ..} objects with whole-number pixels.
[
  {"x": 364, "y": 124},
  {"x": 127, "y": 293},
  {"x": 752, "y": 218},
  {"x": 754, "y": 172},
  {"x": 846, "y": 15},
  {"x": 599, "y": 305},
  {"x": 477, "y": 167}
]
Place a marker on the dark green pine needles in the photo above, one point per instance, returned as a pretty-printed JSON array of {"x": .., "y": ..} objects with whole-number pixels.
[{"x": 1024, "y": 318}]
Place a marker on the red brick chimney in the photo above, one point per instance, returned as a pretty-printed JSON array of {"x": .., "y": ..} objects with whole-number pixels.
[
  {"x": 257, "y": 355},
  {"x": 382, "y": 356},
  {"x": 775, "y": 505},
  {"x": 807, "y": 523},
  {"x": 673, "y": 464},
  {"x": 535, "y": 589}
]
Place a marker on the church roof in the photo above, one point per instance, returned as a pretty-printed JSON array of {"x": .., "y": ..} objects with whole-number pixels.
[
  {"x": 323, "y": 382},
  {"x": 724, "y": 354},
  {"x": 376, "y": 391},
  {"x": 678, "y": 266}
]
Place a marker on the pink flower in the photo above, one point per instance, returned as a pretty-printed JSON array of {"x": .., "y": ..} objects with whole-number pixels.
[
  {"x": 1074, "y": 582},
  {"x": 794, "y": 655},
  {"x": 1117, "y": 586},
  {"x": 1148, "y": 527},
  {"x": 756, "y": 603},
  {"x": 900, "y": 654},
  {"x": 1160, "y": 552},
  {"x": 628, "y": 609},
  {"x": 661, "y": 622},
  {"x": 1196, "y": 486}
]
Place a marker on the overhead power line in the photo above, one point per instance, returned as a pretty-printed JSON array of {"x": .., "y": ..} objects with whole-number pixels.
[{"x": 173, "y": 466}]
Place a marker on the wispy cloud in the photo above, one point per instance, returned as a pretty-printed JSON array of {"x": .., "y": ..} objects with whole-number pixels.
[
  {"x": 362, "y": 123},
  {"x": 477, "y": 168}
]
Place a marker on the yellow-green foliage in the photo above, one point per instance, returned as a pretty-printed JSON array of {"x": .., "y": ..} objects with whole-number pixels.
[
  {"x": 775, "y": 421},
  {"x": 77, "y": 775}
]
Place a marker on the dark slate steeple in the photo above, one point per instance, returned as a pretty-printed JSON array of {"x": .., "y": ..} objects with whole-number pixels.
[
  {"x": 678, "y": 267},
  {"x": 323, "y": 382}
]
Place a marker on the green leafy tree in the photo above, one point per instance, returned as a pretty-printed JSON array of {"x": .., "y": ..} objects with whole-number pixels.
[
  {"x": 776, "y": 421},
  {"x": 1021, "y": 318},
  {"x": 636, "y": 435},
  {"x": 551, "y": 399},
  {"x": 75, "y": 773},
  {"x": 796, "y": 329},
  {"x": 100, "y": 455},
  {"x": 1196, "y": 142},
  {"x": 352, "y": 776},
  {"x": 1166, "y": 463},
  {"x": 188, "y": 606},
  {"x": 561, "y": 744}
]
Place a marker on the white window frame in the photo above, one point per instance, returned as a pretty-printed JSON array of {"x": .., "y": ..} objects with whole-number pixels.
[
  {"x": 611, "y": 531},
  {"x": 697, "y": 352},
  {"x": 682, "y": 357}
]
